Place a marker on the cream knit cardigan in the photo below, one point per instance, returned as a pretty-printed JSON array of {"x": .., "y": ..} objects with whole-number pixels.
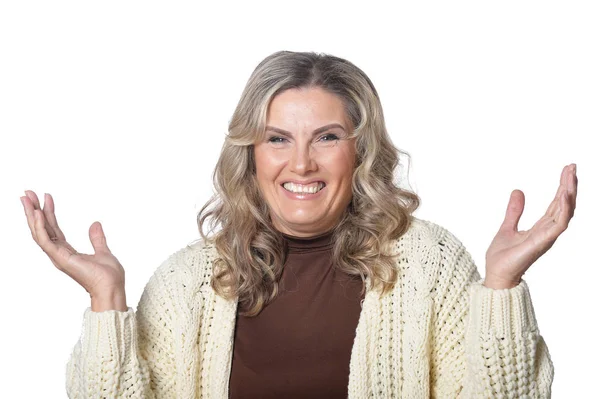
[{"x": 440, "y": 333}]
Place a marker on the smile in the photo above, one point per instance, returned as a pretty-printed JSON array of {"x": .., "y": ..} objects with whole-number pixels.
[
  {"x": 303, "y": 189},
  {"x": 303, "y": 193}
]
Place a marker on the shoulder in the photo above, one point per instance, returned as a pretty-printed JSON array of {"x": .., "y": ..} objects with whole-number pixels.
[
  {"x": 434, "y": 248},
  {"x": 175, "y": 285},
  {"x": 423, "y": 235},
  {"x": 190, "y": 265}
]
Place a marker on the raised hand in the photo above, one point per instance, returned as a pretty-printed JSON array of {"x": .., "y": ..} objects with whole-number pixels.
[
  {"x": 101, "y": 274},
  {"x": 512, "y": 252}
]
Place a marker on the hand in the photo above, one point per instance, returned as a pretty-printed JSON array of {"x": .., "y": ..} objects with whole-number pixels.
[
  {"x": 101, "y": 274},
  {"x": 512, "y": 252}
]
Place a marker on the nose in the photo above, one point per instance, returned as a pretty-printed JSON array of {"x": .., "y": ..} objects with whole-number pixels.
[{"x": 302, "y": 160}]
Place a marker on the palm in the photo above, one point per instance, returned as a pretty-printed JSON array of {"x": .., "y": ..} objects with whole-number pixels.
[
  {"x": 100, "y": 272},
  {"x": 512, "y": 252}
]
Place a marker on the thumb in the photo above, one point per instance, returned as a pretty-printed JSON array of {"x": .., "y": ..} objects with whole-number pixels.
[
  {"x": 516, "y": 204},
  {"x": 98, "y": 238}
]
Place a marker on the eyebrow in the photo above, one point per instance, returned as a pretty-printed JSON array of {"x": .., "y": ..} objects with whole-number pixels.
[{"x": 315, "y": 132}]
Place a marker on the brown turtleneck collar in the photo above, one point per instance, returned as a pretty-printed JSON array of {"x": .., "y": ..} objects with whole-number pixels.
[{"x": 316, "y": 243}]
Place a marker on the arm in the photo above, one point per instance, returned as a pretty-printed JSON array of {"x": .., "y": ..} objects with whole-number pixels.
[
  {"x": 486, "y": 342},
  {"x": 126, "y": 353}
]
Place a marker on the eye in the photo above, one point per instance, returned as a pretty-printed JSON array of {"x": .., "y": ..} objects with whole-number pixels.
[
  {"x": 333, "y": 137},
  {"x": 274, "y": 139}
]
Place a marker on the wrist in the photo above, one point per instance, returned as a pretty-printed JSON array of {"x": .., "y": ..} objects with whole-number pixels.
[
  {"x": 500, "y": 284},
  {"x": 113, "y": 301}
]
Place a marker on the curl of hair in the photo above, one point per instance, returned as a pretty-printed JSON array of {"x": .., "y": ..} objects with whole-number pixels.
[{"x": 251, "y": 251}]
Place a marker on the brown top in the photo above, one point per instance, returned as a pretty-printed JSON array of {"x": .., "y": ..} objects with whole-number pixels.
[{"x": 299, "y": 345}]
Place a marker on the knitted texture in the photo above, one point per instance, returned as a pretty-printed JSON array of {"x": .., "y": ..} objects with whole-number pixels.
[{"x": 439, "y": 333}]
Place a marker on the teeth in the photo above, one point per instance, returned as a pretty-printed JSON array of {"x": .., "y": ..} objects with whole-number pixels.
[{"x": 299, "y": 188}]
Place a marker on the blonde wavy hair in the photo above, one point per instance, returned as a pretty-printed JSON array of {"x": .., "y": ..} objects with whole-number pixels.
[{"x": 251, "y": 251}]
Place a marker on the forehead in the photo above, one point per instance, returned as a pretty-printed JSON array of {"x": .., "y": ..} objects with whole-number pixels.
[{"x": 305, "y": 107}]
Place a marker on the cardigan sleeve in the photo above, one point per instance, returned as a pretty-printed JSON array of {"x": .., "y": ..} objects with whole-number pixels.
[
  {"x": 127, "y": 354},
  {"x": 486, "y": 342}
]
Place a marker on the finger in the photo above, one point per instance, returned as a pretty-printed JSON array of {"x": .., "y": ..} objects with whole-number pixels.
[
  {"x": 36, "y": 205},
  {"x": 572, "y": 178},
  {"x": 576, "y": 183},
  {"x": 61, "y": 255},
  {"x": 98, "y": 238},
  {"x": 565, "y": 213},
  {"x": 569, "y": 192},
  {"x": 43, "y": 240},
  {"x": 51, "y": 217},
  {"x": 573, "y": 181},
  {"x": 30, "y": 215},
  {"x": 514, "y": 210},
  {"x": 34, "y": 199},
  {"x": 555, "y": 204}
]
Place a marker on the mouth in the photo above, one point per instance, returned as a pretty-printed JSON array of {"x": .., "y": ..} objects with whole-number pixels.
[{"x": 312, "y": 188}]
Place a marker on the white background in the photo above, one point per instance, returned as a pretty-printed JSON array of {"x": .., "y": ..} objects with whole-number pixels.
[{"x": 119, "y": 110}]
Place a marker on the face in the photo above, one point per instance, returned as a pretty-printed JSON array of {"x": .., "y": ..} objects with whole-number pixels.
[{"x": 306, "y": 144}]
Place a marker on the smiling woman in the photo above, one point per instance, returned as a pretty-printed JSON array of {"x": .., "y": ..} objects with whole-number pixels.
[
  {"x": 305, "y": 118},
  {"x": 315, "y": 279}
]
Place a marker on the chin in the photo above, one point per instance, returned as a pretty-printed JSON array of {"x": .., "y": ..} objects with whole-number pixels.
[{"x": 303, "y": 221}]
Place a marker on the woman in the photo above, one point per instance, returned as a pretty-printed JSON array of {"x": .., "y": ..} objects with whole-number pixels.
[{"x": 317, "y": 280}]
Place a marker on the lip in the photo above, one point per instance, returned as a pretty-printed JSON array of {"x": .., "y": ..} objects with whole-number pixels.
[
  {"x": 302, "y": 182},
  {"x": 302, "y": 196}
]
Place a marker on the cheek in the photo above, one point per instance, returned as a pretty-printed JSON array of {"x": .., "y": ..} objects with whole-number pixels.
[
  {"x": 341, "y": 166},
  {"x": 267, "y": 166}
]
